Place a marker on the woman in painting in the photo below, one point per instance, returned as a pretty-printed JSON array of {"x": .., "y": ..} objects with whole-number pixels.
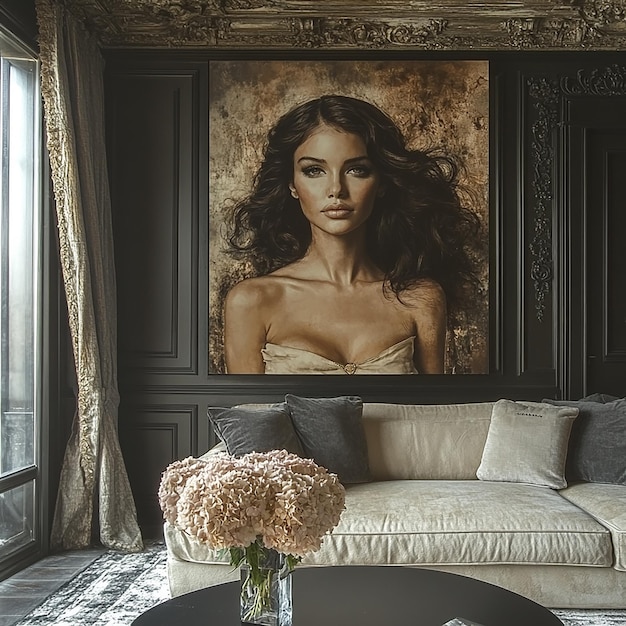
[{"x": 359, "y": 247}]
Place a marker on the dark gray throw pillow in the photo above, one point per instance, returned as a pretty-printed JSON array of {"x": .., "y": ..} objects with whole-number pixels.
[
  {"x": 599, "y": 397},
  {"x": 332, "y": 434},
  {"x": 259, "y": 429},
  {"x": 597, "y": 445}
]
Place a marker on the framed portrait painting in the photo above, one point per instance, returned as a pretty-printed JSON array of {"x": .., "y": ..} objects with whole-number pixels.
[{"x": 348, "y": 216}]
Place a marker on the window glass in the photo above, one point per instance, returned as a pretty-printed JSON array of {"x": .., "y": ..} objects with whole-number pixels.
[
  {"x": 19, "y": 237},
  {"x": 20, "y": 286},
  {"x": 16, "y": 517}
]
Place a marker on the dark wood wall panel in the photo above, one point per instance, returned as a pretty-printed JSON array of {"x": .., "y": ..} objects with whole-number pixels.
[
  {"x": 591, "y": 144},
  {"x": 614, "y": 182},
  {"x": 19, "y": 17},
  {"x": 157, "y": 432},
  {"x": 156, "y": 122},
  {"x": 155, "y": 218},
  {"x": 605, "y": 159}
]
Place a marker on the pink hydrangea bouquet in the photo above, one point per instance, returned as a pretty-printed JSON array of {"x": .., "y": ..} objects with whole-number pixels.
[{"x": 254, "y": 506}]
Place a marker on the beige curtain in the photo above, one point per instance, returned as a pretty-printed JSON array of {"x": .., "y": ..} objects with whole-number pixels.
[{"x": 94, "y": 490}]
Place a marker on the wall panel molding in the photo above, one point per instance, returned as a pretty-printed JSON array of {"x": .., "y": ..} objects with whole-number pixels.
[
  {"x": 607, "y": 154},
  {"x": 162, "y": 434},
  {"x": 590, "y": 125},
  {"x": 154, "y": 432},
  {"x": 547, "y": 94},
  {"x": 155, "y": 197},
  {"x": 553, "y": 130}
]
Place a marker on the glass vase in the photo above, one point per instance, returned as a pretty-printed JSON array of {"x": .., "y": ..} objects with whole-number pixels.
[{"x": 266, "y": 591}]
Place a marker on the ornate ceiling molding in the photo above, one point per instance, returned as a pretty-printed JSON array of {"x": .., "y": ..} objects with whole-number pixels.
[{"x": 348, "y": 24}]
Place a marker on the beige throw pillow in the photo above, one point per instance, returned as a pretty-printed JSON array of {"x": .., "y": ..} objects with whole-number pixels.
[{"x": 527, "y": 443}]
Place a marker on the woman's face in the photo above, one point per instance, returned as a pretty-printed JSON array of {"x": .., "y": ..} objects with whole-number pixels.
[{"x": 334, "y": 180}]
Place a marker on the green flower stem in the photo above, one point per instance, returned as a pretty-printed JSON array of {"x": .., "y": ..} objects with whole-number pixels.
[
  {"x": 259, "y": 587},
  {"x": 262, "y": 564}
]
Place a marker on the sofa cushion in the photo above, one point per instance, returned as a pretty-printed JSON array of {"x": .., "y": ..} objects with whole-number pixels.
[
  {"x": 331, "y": 432},
  {"x": 527, "y": 443},
  {"x": 427, "y": 441},
  {"x": 597, "y": 446},
  {"x": 599, "y": 397},
  {"x": 454, "y": 522},
  {"x": 185, "y": 548},
  {"x": 607, "y": 504},
  {"x": 445, "y": 523},
  {"x": 260, "y": 429}
]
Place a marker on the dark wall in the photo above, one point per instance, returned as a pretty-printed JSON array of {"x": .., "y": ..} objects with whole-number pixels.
[
  {"x": 19, "y": 17},
  {"x": 557, "y": 311}
]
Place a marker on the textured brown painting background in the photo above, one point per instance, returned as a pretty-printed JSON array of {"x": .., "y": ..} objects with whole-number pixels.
[{"x": 435, "y": 103}]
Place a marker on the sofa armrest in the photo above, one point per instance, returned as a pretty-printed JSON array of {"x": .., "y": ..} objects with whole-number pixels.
[
  {"x": 216, "y": 449},
  {"x": 607, "y": 504}
]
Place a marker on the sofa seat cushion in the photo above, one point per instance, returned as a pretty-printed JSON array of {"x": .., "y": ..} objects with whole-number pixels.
[
  {"x": 446, "y": 523},
  {"x": 457, "y": 522},
  {"x": 607, "y": 504}
]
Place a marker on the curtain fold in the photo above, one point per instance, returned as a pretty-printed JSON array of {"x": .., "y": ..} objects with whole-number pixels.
[{"x": 94, "y": 491}]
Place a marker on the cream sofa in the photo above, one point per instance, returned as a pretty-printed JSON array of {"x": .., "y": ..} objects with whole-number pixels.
[{"x": 425, "y": 507}]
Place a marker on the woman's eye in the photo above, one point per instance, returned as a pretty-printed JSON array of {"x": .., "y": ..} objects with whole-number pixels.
[
  {"x": 313, "y": 171},
  {"x": 361, "y": 171}
]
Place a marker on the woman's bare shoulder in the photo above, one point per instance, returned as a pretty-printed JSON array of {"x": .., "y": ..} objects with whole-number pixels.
[
  {"x": 254, "y": 292},
  {"x": 425, "y": 292}
]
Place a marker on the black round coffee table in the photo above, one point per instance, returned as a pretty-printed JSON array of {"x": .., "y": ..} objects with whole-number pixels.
[{"x": 364, "y": 596}]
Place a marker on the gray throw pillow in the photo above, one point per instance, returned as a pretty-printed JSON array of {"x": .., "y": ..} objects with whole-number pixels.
[
  {"x": 599, "y": 397},
  {"x": 527, "y": 443},
  {"x": 332, "y": 434},
  {"x": 259, "y": 429},
  {"x": 597, "y": 446}
]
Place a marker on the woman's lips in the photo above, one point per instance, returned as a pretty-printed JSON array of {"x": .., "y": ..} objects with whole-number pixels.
[{"x": 337, "y": 211}]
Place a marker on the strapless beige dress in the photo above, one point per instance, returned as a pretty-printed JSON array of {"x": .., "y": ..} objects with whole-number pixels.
[{"x": 397, "y": 359}]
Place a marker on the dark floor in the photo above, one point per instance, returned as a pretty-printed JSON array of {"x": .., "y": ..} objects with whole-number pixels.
[{"x": 27, "y": 589}]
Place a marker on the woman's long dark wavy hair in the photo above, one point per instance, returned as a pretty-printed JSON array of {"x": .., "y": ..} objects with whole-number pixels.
[{"x": 418, "y": 228}]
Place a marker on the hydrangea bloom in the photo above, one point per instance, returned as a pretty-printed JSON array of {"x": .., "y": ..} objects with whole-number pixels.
[{"x": 275, "y": 498}]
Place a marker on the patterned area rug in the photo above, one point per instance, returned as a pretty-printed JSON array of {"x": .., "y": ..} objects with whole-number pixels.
[
  {"x": 113, "y": 590},
  {"x": 592, "y": 618},
  {"x": 116, "y": 588}
]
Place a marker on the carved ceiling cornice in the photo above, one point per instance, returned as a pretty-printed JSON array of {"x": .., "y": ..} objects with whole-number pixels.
[{"x": 348, "y": 24}]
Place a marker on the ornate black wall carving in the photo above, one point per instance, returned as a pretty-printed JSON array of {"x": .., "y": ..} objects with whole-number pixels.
[
  {"x": 609, "y": 81},
  {"x": 546, "y": 95}
]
